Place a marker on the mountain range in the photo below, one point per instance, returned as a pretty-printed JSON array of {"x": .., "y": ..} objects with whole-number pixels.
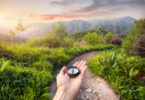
[
  {"x": 117, "y": 25},
  {"x": 120, "y": 25}
]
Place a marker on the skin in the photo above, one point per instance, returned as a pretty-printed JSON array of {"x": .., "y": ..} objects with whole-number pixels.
[{"x": 67, "y": 88}]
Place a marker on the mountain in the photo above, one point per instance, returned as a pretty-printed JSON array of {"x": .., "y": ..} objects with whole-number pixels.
[{"x": 120, "y": 25}]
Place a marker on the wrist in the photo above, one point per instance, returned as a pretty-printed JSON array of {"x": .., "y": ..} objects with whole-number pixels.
[{"x": 62, "y": 94}]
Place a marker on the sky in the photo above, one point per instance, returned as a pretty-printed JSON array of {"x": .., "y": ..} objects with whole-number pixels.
[{"x": 51, "y": 10}]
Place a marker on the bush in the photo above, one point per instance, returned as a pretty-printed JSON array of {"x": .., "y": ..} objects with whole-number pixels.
[
  {"x": 133, "y": 37},
  {"x": 48, "y": 41},
  {"x": 116, "y": 41},
  {"x": 108, "y": 37},
  {"x": 92, "y": 38},
  {"x": 67, "y": 42},
  {"x": 17, "y": 83},
  {"x": 140, "y": 46},
  {"x": 51, "y": 41},
  {"x": 122, "y": 72},
  {"x": 42, "y": 65}
]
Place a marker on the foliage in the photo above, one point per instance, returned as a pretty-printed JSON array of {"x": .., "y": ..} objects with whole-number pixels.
[
  {"x": 133, "y": 36},
  {"x": 51, "y": 41},
  {"x": 18, "y": 83},
  {"x": 20, "y": 26},
  {"x": 27, "y": 73},
  {"x": 122, "y": 72},
  {"x": 67, "y": 42},
  {"x": 58, "y": 29},
  {"x": 79, "y": 35},
  {"x": 92, "y": 38},
  {"x": 48, "y": 41},
  {"x": 116, "y": 41},
  {"x": 112, "y": 38},
  {"x": 108, "y": 37},
  {"x": 140, "y": 46},
  {"x": 11, "y": 32}
]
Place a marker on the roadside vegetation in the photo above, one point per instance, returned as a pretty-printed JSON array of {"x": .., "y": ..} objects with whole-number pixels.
[{"x": 124, "y": 68}]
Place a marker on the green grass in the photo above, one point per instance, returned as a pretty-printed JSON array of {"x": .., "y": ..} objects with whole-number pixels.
[
  {"x": 18, "y": 83},
  {"x": 122, "y": 72},
  {"x": 26, "y": 72}
]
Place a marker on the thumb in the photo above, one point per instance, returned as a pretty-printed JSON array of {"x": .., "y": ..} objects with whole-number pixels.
[{"x": 63, "y": 70}]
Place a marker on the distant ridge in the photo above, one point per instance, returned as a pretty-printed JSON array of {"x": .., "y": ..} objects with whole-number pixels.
[{"x": 116, "y": 25}]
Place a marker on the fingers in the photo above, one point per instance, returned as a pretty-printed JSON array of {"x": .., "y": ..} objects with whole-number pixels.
[
  {"x": 80, "y": 64},
  {"x": 63, "y": 71},
  {"x": 75, "y": 64},
  {"x": 83, "y": 70},
  {"x": 83, "y": 64}
]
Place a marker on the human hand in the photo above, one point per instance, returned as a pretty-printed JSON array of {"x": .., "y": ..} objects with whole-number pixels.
[{"x": 70, "y": 86}]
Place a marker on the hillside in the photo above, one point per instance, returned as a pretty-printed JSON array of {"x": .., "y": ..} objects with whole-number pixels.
[{"x": 122, "y": 25}]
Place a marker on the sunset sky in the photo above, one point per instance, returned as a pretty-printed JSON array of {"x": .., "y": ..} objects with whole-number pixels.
[{"x": 48, "y": 10}]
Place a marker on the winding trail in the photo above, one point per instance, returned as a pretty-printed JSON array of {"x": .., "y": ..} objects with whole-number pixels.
[{"x": 93, "y": 87}]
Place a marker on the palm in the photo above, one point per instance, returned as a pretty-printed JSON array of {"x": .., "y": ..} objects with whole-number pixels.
[{"x": 72, "y": 85}]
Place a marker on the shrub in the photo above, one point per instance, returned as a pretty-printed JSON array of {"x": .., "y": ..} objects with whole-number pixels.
[
  {"x": 17, "y": 83},
  {"x": 116, "y": 41},
  {"x": 92, "y": 38},
  {"x": 122, "y": 72},
  {"x": 140, "y": 46},
  {"x": 42, "y": 65},
  {"x": 48, "y": 41},
  {"x": 108, "y": 37},
  {"x": 133, "y": 37},
  {"x": 67, "y": 42},
  {"x": 4, "y": 53}
]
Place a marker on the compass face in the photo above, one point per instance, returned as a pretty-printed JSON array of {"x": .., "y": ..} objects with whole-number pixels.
[{"x": 73, "y": 71}]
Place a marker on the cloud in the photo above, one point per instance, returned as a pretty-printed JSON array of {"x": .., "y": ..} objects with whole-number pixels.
[
  {"x": 72, "y": 9},
  {"x": 52, "y": 16},
  {"x": 63, "y": 3},
  {"x": 105, "y": 4}
]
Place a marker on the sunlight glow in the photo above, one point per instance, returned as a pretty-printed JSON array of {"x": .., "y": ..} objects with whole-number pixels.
[{"x": 1, "y": 19}]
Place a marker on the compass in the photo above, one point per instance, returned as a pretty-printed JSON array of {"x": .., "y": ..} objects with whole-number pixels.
[{"x": 72, "y": 71}]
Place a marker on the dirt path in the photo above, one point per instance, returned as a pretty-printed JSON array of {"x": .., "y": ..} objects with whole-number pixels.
[{"x": 93, "y": 88}]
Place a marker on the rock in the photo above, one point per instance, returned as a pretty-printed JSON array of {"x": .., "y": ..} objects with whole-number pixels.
[
  {"x": 94, "y": 92},
  {"x": 89, "y": 90},
  {"x": 87, "y": 98}
]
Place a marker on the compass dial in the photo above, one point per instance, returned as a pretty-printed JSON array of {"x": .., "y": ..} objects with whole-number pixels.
[{"x": 73, "y": 71}]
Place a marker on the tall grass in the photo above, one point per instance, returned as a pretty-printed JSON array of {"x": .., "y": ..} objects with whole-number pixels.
[{"x": 122, "y": 72}]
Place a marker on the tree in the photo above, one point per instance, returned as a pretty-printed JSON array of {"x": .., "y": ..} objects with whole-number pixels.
[
  {"x": 20, "y": 26},
  {"x": 108, "y": 37},
  {"x": 133, "y": 37},
  {"x": 100, "y": 31},
  {"x": 92, "y": 38},
  {"x": 11, "y": 32},
  {"x": 58, "y": 29}
]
